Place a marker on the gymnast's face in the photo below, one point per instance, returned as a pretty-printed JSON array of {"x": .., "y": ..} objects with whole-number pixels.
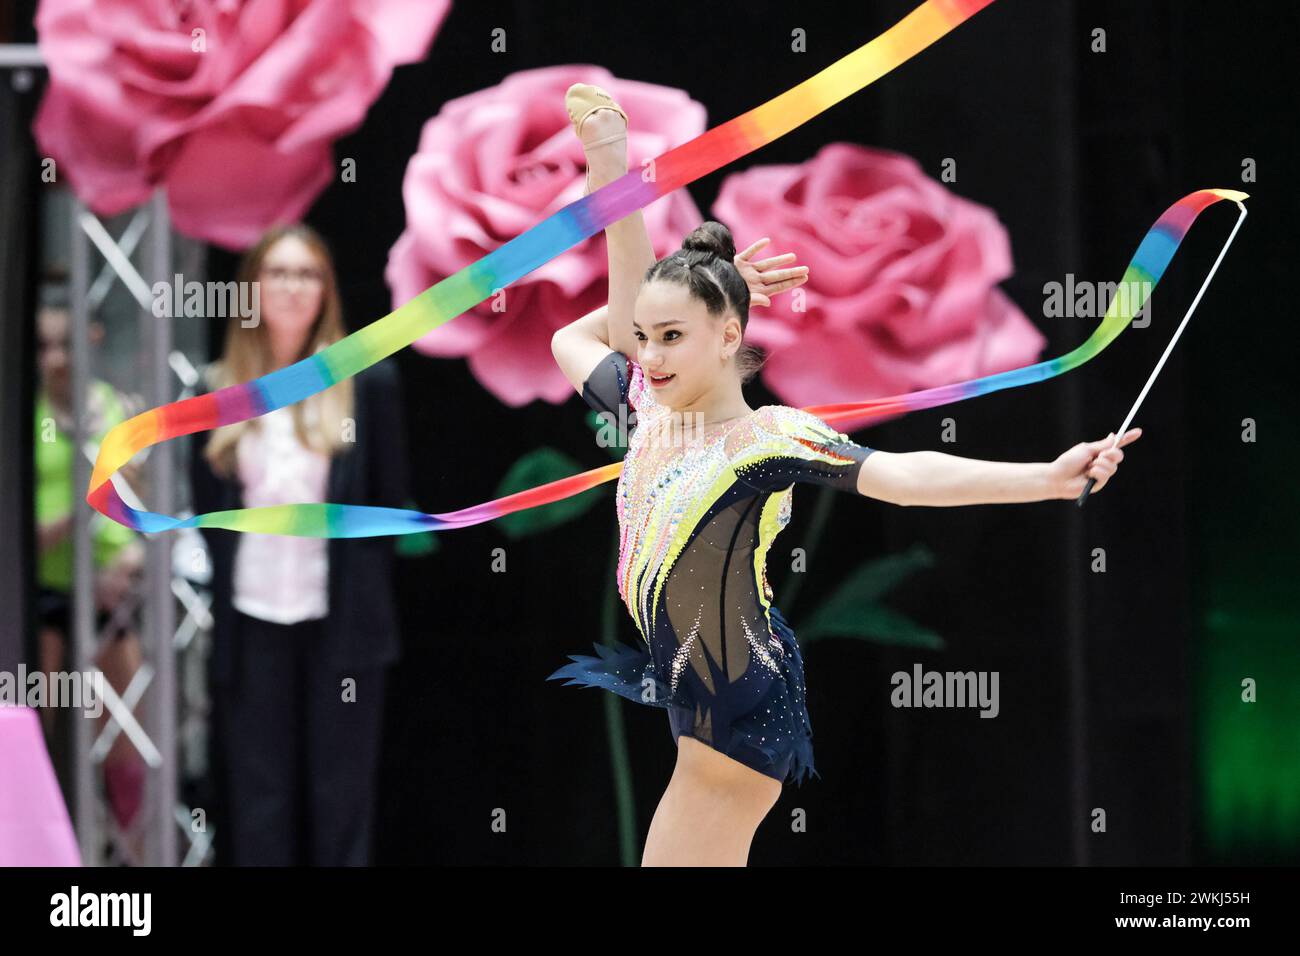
[
  {"x": 684, "y": 350},
  {"x": 292, "y": 281}
]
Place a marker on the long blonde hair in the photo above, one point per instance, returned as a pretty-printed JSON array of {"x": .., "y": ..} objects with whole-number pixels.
[{"x": 246, "y": 355}]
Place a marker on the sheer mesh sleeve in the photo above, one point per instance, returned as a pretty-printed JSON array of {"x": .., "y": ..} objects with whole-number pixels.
[
  {"x": 616, "y": 380},
  {"x": 790, "y": 445}
]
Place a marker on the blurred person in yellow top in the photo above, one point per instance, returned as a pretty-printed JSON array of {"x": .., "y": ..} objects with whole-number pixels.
[{"x": 118, "y": 551}]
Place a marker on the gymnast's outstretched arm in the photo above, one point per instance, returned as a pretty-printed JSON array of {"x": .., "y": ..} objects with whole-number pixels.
[{"x": 936, "y": 479}]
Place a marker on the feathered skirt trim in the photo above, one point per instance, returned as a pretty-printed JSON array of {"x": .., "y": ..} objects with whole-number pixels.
[{"x": 785, "y": 755}]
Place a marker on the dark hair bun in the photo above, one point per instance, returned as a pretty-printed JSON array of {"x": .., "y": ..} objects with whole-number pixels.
[{"x": 712, "y": 237}]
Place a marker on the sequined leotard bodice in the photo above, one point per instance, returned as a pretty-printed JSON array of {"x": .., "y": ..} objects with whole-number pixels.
[{"x": 698, "y": 510}]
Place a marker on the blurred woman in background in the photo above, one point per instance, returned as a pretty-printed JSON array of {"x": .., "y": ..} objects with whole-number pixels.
[
  {"x": 304, "y": 628},
  {"x": 118, "y": 552}
]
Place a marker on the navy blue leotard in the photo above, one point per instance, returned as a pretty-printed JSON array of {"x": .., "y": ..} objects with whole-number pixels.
[{"x": 698, "y": 510}]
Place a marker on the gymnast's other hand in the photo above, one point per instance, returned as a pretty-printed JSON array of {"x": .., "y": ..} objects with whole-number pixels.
[
  {"x": 1090, "y": 459},
  {"x": 764, "y": 278}
]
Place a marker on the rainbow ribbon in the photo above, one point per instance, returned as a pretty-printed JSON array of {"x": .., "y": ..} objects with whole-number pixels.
[
  {"x": 463, "y": 290},
  {"x": 579, "y": 220}
]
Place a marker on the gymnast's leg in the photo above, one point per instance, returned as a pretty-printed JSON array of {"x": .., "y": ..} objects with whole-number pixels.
[
  {"x": 708, "y": 814},
  {"x": 627, "y": 242}
]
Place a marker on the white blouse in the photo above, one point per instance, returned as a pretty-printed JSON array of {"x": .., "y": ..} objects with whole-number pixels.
[{"x": 280, "y": 578}]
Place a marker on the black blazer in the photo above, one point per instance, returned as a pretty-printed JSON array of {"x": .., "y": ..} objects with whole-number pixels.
[{"x": 361, "y": 629}]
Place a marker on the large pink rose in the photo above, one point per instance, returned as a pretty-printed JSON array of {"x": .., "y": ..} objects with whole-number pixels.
[
  {"x": 239, "y": 131},
  {"x": 902, "y": 287},
  {"x": 492, "y": 165}
]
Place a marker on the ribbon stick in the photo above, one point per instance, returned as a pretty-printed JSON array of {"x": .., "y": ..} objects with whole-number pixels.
[
  {"x": 1181, "y": 325},
  {"x": 466, "y": 288}
]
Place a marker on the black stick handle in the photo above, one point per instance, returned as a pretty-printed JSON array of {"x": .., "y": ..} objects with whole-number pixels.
[{"x": 1086, "y": 488}]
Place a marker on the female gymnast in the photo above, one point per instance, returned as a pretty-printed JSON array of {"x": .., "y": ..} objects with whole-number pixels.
[{"x": 705, "y": 488}]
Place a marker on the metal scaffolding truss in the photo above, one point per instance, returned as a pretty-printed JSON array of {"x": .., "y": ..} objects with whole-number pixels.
[{"x": 152, "y": 723}]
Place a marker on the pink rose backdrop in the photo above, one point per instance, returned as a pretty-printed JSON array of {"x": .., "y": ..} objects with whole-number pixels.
[
  {"x": 902, "y": 288},
  {"x": 902, "y": 293},
  {"x": 238, "y": 134},
  {"x": 491, "y": 165}
]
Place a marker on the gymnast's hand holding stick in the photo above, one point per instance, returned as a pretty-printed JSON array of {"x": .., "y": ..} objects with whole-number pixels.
[{"x": 1089, "y": 463}]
